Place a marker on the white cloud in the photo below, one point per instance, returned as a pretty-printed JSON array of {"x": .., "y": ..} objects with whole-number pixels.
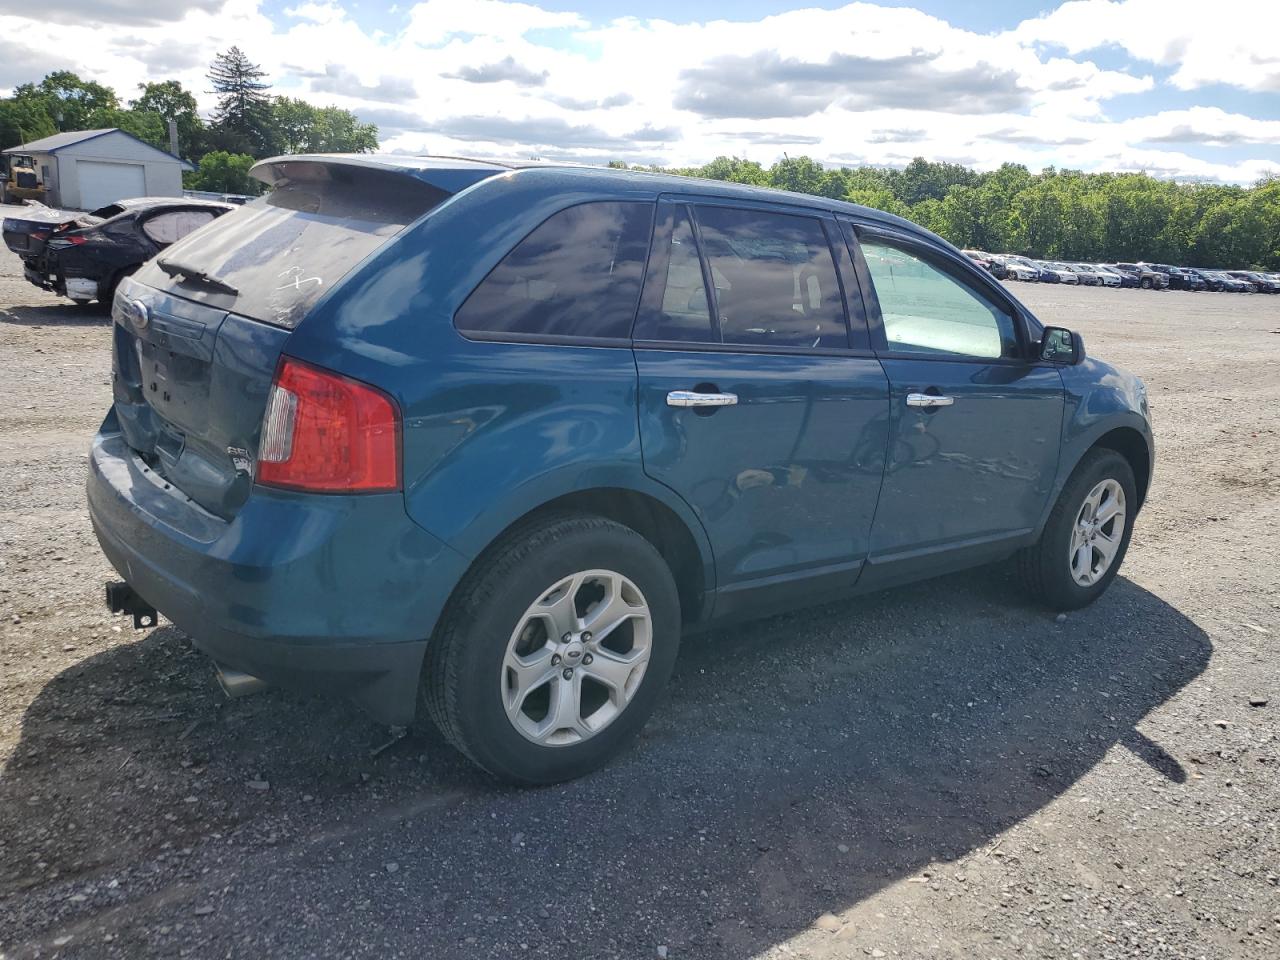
[
  {"x": 435, "y": 21},
  {"x": 316, "y": 12},
  {"x": 1206, "y": 125},
  {"x": 1230, "y": 41},
  {"x": 107, "y": 11},
  {"x": 862, "y": 83}
]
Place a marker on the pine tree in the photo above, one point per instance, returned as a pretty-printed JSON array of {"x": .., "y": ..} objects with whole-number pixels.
[{"x": 242, "y": 120}]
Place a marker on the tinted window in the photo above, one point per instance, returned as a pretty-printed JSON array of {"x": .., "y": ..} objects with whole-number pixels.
[
  {"x": 576, "y": 275},
  {"x": 775, "y": 281},
  {"x": 176, "y": 224},
  {"x": 285, "y": 250},
  {"x": 927, "y": 311},
  {"x": 685, "y": 313}
]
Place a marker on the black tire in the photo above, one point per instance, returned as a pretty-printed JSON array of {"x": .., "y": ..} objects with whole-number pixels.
[
  {"x": 108, "y": 295},
  {"x": 460, "y": 687},
  {"x": 1146, "y": 283},
  {"x": 1045, "y": 567}
]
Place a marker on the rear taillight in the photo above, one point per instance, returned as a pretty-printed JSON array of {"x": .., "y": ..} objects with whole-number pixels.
[
  {"x": 75, "y": 238},
  {"x": 327, "y": 434}
]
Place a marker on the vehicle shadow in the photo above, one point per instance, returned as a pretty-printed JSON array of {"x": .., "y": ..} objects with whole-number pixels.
[
  {"x": 65, "y": 314},
  {"x": 799, "y": 765}
]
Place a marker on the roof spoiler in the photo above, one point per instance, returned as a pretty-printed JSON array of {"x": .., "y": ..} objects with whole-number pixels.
[{"x": 449, "y": 174}]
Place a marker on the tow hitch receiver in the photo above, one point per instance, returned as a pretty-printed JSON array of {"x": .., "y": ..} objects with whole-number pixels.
[{"x": 122, "y": 598}]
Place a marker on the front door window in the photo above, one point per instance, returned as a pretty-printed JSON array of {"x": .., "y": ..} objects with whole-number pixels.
[{"x": 926, "y": 311}]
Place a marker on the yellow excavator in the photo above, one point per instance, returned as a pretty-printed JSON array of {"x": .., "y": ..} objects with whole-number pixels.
[{"x": 20, "y": 180}]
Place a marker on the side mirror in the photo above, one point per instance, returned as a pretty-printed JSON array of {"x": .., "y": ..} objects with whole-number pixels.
[{"x": 1060, "y": 345}]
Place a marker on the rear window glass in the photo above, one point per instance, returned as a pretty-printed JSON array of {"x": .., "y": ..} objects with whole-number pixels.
[
  {"x": 576, "y": 275},
  {"x": 284, "y": 251}
]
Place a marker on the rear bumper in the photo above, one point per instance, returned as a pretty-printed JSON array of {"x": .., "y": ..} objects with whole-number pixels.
[
  {"x": 313, "y": 592},
  {"x": 41, "y": 280},
  {"x": 81, "y": 288}
]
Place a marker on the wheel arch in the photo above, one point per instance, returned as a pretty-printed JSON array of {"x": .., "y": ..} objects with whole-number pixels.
[
  {"x": 1131, "y": 445},
  {"x": 112, "y": 281},
  {"x": 1126, "y": 433},
  {"x": 677, "y": 537}
]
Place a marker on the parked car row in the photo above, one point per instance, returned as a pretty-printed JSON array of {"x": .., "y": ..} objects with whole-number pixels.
[
  {"x": 1147, "y": 276},
  {"x": 84, "y": 256}
]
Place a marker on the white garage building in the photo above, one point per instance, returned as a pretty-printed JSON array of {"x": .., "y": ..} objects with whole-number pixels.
[{"x": 87, "y": 169}]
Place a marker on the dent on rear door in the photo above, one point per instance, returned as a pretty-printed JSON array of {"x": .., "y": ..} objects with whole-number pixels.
[{"x": 786, "y": 479}]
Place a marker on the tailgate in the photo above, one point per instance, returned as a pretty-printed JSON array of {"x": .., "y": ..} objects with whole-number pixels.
[
  {"x": 190, "y": 383},
  {"x": 200, "y": 328}
]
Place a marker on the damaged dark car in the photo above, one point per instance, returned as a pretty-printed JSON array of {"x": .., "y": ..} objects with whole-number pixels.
[{"x": 85, "y": 258}]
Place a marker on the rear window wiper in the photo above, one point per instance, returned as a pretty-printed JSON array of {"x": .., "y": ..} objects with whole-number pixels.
[{"x": 195, "y": 273}]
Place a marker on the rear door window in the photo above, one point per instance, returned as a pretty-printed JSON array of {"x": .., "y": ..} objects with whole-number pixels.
[
  {"x": 774, "y": 282},
  {"x": 122, "y": 229},
  {"x": 685, "y": 314},
  {"x": 775, "y": 279},
  {"x": 173, "y": 225},
  {"x": 284, "y": 251},
  {"x": 577, "y": 275}
]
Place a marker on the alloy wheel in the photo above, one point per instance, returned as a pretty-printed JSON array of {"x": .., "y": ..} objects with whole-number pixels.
[
  {"x": 576, "y": 658},
  {"x": 1097, "y": 533}
]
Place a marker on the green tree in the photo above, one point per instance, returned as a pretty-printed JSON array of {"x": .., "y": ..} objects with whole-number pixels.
[
  {"x": 242, "y": 119},
  {"x": 339, "y": 131},
  {"x": 922, "y": 180},
  {"x": 872, "y": 187},
  {"x": 1266, "y": 196},
  {"x": 1035, "y": 221},
  {"x": 878, "y": 198},
  {"x": 67, "y": 99},
  {"x": 22, "y": 121},
  {"x": 1056, "y": 214},
  {"x": 223, "y": 172},
  {"x": 735, "y": 170},
  {"x": 291, "y": 121},
  {"x": 143, "y": 124},
  {"x": 174, "y": 102},
  {"x": 800, "y": 175},
  {"x": 927, "y": 213},
  {"x": 299, "y": 127},
  {"x": 960, "y": 218}
]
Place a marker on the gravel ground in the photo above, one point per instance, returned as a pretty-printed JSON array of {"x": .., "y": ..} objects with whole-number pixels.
[{"x": 938, "y": 771}]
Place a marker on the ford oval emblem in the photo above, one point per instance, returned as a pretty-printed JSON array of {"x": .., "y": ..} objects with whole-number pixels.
[{"x": 138, "y": 314}]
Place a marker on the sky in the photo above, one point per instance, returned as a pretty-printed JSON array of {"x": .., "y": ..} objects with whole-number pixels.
[{"x": 1177, "y": 88}]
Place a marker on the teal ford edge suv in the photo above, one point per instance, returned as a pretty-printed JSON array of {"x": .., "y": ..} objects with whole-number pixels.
[{"x": 478, "y": 441}]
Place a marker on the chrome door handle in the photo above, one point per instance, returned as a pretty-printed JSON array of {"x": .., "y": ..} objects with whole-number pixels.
[
  {"x": 928, "y": 400},
  {"x": 690, "y": 398}
]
